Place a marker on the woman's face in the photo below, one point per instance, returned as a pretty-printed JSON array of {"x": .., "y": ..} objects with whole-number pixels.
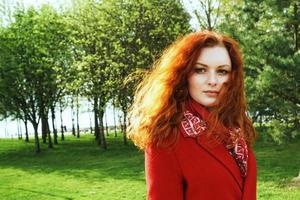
[{"x": 211, "y": 71}]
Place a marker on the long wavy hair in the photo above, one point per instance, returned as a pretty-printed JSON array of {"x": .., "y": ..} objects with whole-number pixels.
[{"x": 160, "y": 98}]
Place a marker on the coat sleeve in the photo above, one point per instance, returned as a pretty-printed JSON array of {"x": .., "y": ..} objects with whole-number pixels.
[
  {"x": 163, "y": 175},
  {"x": 249, "y": 192}
]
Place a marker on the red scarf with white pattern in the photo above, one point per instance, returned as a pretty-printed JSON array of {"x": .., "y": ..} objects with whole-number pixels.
[{"x": 194, "y": 123}]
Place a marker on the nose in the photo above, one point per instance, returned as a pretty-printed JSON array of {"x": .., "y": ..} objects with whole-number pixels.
[{"x": 212, "y": 79}]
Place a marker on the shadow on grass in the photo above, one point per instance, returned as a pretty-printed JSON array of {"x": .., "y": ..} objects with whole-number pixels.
[
  {"x": 39, "y": 193},
  {"x": 80, "y": 158}
]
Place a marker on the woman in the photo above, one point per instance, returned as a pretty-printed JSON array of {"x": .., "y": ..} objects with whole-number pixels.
[{"x": 189, "y": 115}]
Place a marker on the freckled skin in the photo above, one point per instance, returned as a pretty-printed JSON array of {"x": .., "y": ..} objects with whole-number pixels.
[{"x": 211, "y": 71}]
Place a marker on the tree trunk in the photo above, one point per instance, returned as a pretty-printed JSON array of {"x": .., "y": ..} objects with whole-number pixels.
[
  {"x": 77, "y": 116},
  {"x": 35, "y": 122},
  {"x": 102, "y": 135},
  {"x": 106, "y": 126},
  {"x": 26, "y": 129},
  {"x": 19, "y": 130},
  {"x": 73, "y": 120},
  {"x": 97, "y": 132},
  {"x": 91, "y": 127},
  {"x": 124, "y": 126},
  {"x": 115, "y": 124},
  {"x": 260, "y": 120},
  {"x": 43, "y": 120},
  {"x": 61, "y": 123},
  {"x": 50, "y": 144},
  {"x": 36, "y": 138},
  {"x": 53, "y": 125},
  {"x": 121, "y": 123}
]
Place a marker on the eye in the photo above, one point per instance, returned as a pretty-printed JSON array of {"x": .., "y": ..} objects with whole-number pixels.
[
  {"x": 223, "y": 72},
  {"x": 200, "y": 70}
]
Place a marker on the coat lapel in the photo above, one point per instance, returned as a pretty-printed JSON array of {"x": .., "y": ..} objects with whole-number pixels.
[
  {"x": 249, "y": 192},
  {"x": 193, "y": 125},
  {"x": 221, "y": 154}
]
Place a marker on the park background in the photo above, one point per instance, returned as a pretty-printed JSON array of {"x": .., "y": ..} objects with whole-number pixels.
[{"x": 76, "y": 63}]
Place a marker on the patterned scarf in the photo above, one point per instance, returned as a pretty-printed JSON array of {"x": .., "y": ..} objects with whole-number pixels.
[{"x": 194, "y": 124}]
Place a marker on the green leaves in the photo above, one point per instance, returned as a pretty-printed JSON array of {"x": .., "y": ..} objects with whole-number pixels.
[
  {"x": 39, "y": 52},
  {"x": 139, "y": 31},
  {"x": 97, "y": 49},
  {"x": 269, "y": 37}
]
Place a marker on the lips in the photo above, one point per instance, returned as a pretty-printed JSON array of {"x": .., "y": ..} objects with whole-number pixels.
[{"x": 211, "y": 93}]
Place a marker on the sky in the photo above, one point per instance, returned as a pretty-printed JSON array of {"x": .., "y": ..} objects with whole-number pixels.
[
  {"x": 64, "y": 2},
  {"x": 55, "y": 3},
  {"x": 38, "y": 3}
]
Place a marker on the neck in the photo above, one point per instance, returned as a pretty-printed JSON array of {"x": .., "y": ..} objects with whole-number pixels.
[{"x": 209, "y": 108}]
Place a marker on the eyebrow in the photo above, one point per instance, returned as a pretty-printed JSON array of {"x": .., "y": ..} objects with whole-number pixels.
[{"x": 208, "y": 66}]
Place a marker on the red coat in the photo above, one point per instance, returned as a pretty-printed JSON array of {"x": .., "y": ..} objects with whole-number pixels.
[{"x": 193, "y": 170}]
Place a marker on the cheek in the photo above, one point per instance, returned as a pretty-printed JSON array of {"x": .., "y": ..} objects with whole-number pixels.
[
  {"x": 224, "y": 79},
  {"x": 191, "y": 84},
  {"x": 195, "y": 81},
  {"x": 190, "y": 81}
]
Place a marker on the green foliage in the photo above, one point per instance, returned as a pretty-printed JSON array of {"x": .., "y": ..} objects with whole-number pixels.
[
  {"x": 140, "y": 31},
  {"x": 34, "y": 59},
  {"x": 269, "y": 37},
  {"x": 91, "y": 56},
  {"x": 88, "y": 51}
]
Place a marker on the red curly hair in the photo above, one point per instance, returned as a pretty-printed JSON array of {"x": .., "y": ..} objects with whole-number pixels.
[{"x": 160, "y": 98}]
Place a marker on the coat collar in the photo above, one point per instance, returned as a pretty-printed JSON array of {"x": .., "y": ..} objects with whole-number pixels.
[{"x": 195, "y": 127}]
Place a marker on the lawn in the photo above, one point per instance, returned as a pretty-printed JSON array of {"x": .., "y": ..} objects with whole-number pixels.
[
  {"x": 79, "y": 169},
  {"x": 76, "y": 169},
  {"x": 277, "y": 165}
]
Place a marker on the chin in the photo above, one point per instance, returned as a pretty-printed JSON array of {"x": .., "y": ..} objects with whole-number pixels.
[{"x": 208, "y": 102}]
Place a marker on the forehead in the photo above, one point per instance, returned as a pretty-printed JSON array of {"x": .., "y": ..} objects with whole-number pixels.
[{"x": 214, "y": 56}]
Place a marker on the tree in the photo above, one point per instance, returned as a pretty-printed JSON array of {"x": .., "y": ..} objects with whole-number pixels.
[
  {"x": 17, "y": 82},
  {"x": 206, "y": 12},
  {"x": 140, "y": 31},
  {"x": 92, "y": 48},
  {"x": 35, "y": 65},
  {"x": 270, "y": 40}
]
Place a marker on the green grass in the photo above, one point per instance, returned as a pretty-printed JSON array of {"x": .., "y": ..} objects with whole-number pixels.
[
  {"x": 76, "y": 169},
  {"x": 277, "y": 165},
  {"x": 79, "y": 169}
]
